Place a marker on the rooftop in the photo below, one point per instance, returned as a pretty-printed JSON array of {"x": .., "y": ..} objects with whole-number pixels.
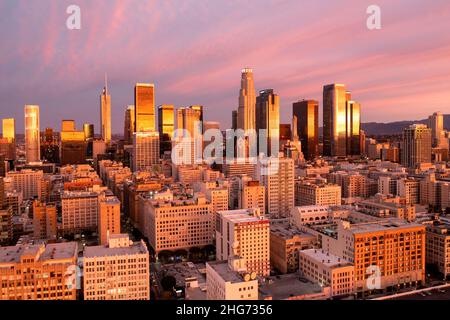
[
  {"x": 105, "y": 251},
  {"x": 287, "y": 232},
  {"x": 325, "y": 258},
  {"x": 56, "y": 251},
  {"x": 223, "y": 269},
  {"x": 384, "y": 225},
  {"x": 288, "y": 286},
  {"x": 186, "y": 270},
  {"x": 242, "y": 216}
]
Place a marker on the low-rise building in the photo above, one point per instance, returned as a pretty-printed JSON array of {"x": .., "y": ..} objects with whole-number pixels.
[
  {"x": 285, "y": 243},
  {"x": 229, "y": 280},
  {"x": 328, "y": 270}
]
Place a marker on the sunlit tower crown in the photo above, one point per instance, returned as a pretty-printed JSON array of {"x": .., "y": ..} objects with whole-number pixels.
[
  {"x": 32, "y": 134},
  {"x": 247, "y": 101},
  {"x": 105, "y": 113}
]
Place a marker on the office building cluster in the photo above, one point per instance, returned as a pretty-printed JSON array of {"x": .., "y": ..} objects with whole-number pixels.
[{"x": 323, "y": 213}]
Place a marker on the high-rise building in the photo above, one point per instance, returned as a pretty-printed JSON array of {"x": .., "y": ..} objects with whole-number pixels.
[
  {"x": 190, "y": 120},
  {"x": 210, "y": 125},
  {"x": 44, "y": 221},
  {"x": 68, "y": 125},
  {"x": 105, "y": 114},
  {"x": 416, "y": 145},
  {"x": 306, "y": 114},
  {"x": 88, "y": 131},
  {"x": 7, "y": 150},
  {"x": 246, "y": 117},
  {"x": 166, "y": 126},
  {"x": 108, "y": 219},
  {"x": 118, "y": 270},
  {"x": 341, "y": 122},
  {"x": 277, "y": 176},
  {"x": 244, "y": 233},
  {"x": 129, "y": 125},
  {"x": 9, "y": 129},
  {"x": 145, "y": 150},
  {"x": 32, "y": 134},
  {"x": 334, "y": 120},
  {"x": 144, "y": 104},
  {"x": 73, "y": 146},
  {"x": 353, "y": 110},
  {"x": 267, "y": 117},
  {"x": 89, "y": 136},
  {"x": 436, "y": 124},
  {"x": 234, "y": 119},
  {"x": 39, "y": 272}
]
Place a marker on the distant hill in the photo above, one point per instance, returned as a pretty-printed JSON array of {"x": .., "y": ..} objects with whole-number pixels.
[{"x": 375, "y": 128}]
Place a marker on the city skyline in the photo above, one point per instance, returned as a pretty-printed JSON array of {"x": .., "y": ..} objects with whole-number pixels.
[{"x": 381, "y": 60}]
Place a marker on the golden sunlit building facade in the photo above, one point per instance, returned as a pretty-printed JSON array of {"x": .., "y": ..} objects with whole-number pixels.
[
  {"x": 144, "y": 107},
  {"x": 32, "y": 134},
  {"x": 39, "y": 272},
  {"x": 105, "y": 115},
  {"x": 306, "y": 113}
]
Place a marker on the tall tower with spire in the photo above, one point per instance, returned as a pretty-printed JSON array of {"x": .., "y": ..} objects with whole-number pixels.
[
  {"x": 246, "y": 119},
  {"x": 105, "y": 113}
]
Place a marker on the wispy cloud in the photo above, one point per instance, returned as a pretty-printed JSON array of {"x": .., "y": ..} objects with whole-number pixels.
[{"x": 193, "y": 51}]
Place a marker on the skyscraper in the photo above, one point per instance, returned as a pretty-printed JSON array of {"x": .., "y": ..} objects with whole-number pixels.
[
  {"x": 105, "y": 114},
  {"x": 416, "y": 145},
  {"x": 9, "y": 129},
  {"x": 436, "y": 124},
  {"x": 9, "y": 139},
  {"x": 190, "y": 120},
  {"x": 88, "y": 131},
  {"x": 129, "y": 125},
  {"x": 89, "y": 136},
  {"x": 144, "y": 103},
  {"x": 234, "y": 119},
  {"x": 32, "y": 134},
  {"x": 67, "y": 125},
  {"x": 145, "y": 150},
  {"x": 268, "y": 118},
  {"x": 306, "y": 114},
  {"x": 277, "y": 176},
  {"x": 166, "y": 126},
  {"x": 353, "y": 110},
  {"x": 50, "y": 147},
  {"x": 246, "y": 118},
  {"x": 73, "y": 145},
  {"x": 334, "y": 120}
]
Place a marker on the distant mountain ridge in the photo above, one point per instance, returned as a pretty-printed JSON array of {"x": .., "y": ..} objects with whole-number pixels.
[{"x": 375, "y": 128}]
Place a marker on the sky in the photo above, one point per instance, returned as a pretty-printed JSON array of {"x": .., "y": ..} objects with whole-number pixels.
[{"x": 194, "y": 50}]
